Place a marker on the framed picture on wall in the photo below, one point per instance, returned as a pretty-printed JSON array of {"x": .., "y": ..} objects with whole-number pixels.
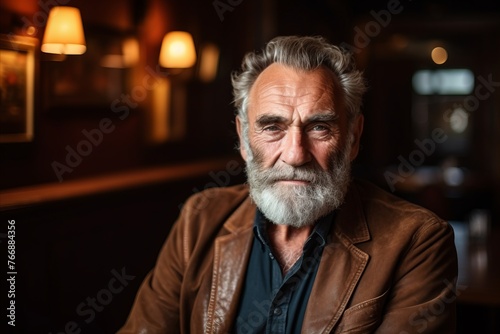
[{"x": 17, "y": 88}]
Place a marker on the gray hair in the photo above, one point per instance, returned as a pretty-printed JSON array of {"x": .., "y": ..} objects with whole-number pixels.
[{"x": 302, "y": 53}]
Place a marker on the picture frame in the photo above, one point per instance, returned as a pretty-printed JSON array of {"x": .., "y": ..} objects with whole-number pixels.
[{"x": 17, "y": 87}]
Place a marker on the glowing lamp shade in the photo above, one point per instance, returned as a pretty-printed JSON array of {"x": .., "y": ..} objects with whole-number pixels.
[
  {"x": 64, "y": 32},
  {"x": 177, "y": 50}
]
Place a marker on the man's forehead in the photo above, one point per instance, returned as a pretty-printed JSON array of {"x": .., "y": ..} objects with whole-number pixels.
[
  {"x": 271, "y": 89},
  {"x": 291, "y": 85},
  {"x": 282, "y": 76}
]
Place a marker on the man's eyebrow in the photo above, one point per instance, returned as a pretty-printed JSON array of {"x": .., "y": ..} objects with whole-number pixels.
[
  {"x": 269, "y": 119},
  {"x": 328, "y": 116}
]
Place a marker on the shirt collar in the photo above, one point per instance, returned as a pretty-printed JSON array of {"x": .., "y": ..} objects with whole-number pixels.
[{"x": 318, "y": 235}]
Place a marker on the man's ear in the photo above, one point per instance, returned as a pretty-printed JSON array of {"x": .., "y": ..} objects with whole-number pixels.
[
  {"x": 357, "y": 130},
  {"x": 239, "y": 129}
]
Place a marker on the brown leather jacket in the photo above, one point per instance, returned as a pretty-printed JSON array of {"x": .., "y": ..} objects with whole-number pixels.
[{"x": 389, "y": 267}]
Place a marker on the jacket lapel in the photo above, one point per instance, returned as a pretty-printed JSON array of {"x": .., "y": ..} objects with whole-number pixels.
[
  {"x": 341, "y": 267},
  {"x": 230, "y": 263}
]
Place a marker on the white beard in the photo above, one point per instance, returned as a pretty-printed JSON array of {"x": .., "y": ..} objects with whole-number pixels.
[{"x": 299, "y": 205}]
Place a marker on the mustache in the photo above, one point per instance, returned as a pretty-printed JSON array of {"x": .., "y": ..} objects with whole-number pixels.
[{"x": 288, "y": 173}]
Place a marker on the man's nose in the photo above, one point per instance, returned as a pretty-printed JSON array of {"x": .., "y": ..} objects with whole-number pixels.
[{"x": 295, "y": 148}]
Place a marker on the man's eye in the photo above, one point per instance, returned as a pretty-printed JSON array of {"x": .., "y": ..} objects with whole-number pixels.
[
  {"x": 319, "y": 127},
  {"x": 271, "y": 128}
]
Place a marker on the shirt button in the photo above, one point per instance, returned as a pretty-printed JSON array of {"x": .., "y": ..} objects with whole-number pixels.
[{"x": 277, "y": 311}]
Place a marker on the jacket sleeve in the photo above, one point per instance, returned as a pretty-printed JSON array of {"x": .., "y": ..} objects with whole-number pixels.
[
  {"x": 156, "y": 308},
  {"x": 423, "y": 296}
]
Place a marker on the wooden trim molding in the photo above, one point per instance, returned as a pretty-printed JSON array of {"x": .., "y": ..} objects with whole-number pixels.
[{"x": 44, "y": 193}]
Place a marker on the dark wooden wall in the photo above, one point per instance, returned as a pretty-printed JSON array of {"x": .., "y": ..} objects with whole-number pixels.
[{"x": 68, "y": 249}]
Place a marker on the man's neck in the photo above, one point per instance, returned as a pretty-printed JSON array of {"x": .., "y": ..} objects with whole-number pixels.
[{"x": 287, "y": 243}]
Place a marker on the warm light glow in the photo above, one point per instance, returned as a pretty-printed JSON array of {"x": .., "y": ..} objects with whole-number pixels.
[
  {"x": 177, "y": 50},
  {"x": 209, "y": 62},
  {"x": 64, "y": 32},
  {"x": 112, "y": 61},
  {"x": 31, "y": 31},
  {"x": 159, "y": 122},
  {"x": 122, "y": 56},
  {"x": 439, "y": 55},
  {"x": 131, "y": 53}
]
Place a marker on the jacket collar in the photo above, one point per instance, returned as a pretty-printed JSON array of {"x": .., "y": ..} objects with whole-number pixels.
[
  {"x": 351, "y": 222},
  {"x": 231, "y": 256},
  {"x": 342, "y": 264},
  {"x": 242, "y": 219}
]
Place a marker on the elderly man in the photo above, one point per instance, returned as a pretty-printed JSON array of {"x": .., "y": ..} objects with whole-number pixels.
[{"x": 302, "y": 248}]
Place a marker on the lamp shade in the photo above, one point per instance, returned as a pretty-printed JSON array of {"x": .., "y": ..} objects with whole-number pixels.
[
  {"x": 177, "y": 50},
  {"x": 64, "y": 32}
]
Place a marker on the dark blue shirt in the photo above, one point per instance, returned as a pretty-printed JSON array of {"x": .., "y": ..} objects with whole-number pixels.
[{"x": 271, "y": 303}]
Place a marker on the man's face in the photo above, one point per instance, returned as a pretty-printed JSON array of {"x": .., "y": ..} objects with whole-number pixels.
[{"x": 298, "y": 134}]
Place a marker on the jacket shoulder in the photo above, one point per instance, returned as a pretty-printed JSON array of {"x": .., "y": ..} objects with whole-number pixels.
[
  {"x": 211, "y": 208},
  {"x": 214, "y": 198},
  {"x": 380, "y": 206},
  {"x": 206, "y": 214}
]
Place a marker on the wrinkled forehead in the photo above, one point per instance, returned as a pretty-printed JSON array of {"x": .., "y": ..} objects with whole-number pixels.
[{"x": 292, "y": 85}]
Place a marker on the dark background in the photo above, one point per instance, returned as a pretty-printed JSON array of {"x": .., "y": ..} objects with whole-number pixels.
[{"x": 68, "y": 248}]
